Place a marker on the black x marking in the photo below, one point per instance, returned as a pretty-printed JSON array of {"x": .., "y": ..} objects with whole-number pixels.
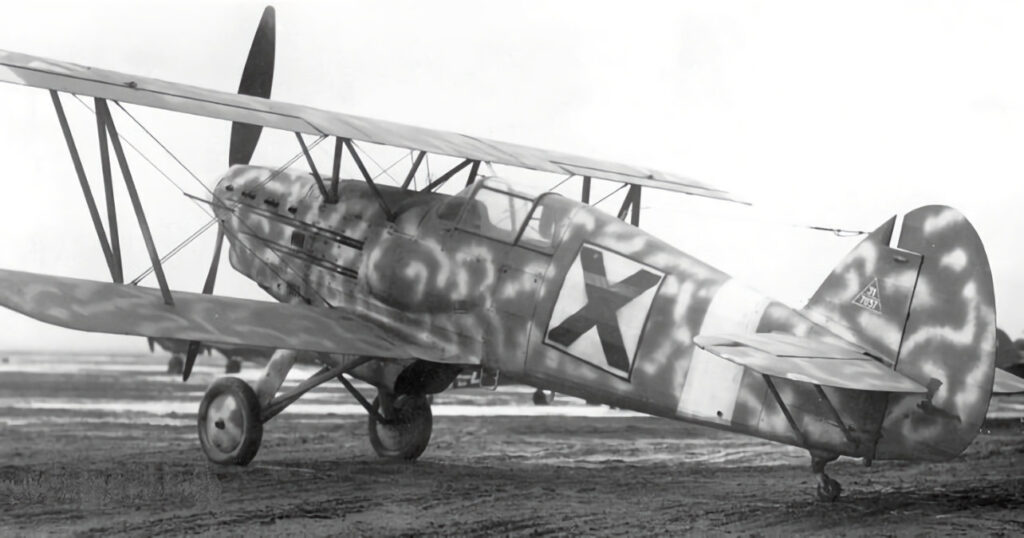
[{"x": 603, "y": 301}]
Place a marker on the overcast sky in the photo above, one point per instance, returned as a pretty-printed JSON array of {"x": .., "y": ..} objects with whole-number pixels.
[{"x": 836, "y": 115}]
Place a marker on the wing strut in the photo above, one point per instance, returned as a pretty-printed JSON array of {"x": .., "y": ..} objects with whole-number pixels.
[
  {"x": 312, "y": 168},
  {"x": 631, "y": 206},
  {"x": 585, "y": 195},
  {"x": 369, "y": 181},
  {"x": 412, "y": 171},
  {"x": 472, "y": 173},
  {"x": 84, "y": 182},
  {"x": 447, "y": 175},
  {"x": 339, "y": 149},
  {"x": 103, "y": 110},
  {"x": 108, "y": 188}
]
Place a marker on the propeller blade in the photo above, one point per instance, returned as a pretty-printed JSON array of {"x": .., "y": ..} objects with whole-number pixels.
[
  {"x": 190, "y": 359},
  {"x": 257, "y": 79},
  {"x": 195, "y": 346}
]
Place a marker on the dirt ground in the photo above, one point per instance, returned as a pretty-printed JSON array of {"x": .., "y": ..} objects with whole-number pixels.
[{"x": 70, "y": 467}]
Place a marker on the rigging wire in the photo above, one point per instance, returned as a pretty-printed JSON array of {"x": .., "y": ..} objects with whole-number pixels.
[
  {"x": 175, "y": 250},
  {"x": 374, "y": 161},
  {"x": 560, "y": 183},
  {"x": 205, "y": 227},
  {"x": 145, "y": 158},
  {"x": 165, "y": 148},
  {"x": 623, "y": 186}
]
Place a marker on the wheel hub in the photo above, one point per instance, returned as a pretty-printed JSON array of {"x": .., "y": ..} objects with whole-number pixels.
[{"x": 225, "y": 424}]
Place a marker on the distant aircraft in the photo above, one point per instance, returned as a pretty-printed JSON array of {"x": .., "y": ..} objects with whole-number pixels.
[
  {"x": 1008, "y": 354},
  {"x": 479, "y": 379},
  {"x": 234, "y": 355},
  {"x": 892, "y": 358}
]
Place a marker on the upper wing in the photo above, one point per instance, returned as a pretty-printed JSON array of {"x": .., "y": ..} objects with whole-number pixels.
[
  {"x": 1007, "y": 383},
  {"x": 40, "y": 72},
  {"x": 119, "y": 309},
  {"x": 810, "y": 361}
]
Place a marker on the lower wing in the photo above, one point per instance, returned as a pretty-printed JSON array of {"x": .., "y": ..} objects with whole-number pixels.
[{"x": 93, "y": 306}]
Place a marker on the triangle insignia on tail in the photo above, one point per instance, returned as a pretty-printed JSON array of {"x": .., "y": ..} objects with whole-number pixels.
[{"x": 870, "y": 298}]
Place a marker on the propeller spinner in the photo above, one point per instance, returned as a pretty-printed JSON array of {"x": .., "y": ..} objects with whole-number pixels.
[{"x": 257, "y": 79}]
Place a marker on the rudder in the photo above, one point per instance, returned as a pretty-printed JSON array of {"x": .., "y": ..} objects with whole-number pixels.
[{"x": 934, "y": 320}]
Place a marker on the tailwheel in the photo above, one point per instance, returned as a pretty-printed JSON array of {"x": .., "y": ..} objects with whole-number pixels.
[
  {"x": 405, "y": 431},
  {"x": 828, "y": 488},
  {"x": 230, "y": 429}
]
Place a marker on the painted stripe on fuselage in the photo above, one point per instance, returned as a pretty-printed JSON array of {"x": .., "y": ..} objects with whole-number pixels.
[{"x": 712, "y": 384}]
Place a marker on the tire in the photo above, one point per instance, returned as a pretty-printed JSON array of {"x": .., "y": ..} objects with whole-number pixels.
[
  {"x": 230, "y": 429},
  {"x": 175, "y": 365},
  {"x": 406, "y": 435}
]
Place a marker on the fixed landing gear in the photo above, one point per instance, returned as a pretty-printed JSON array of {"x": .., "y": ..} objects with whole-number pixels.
[
  {"x": 232, "y": 413},
  {"x": 828, "y": 488},
  {"x": 401, "y": 430},
  {"x": 230, "y": 428}
]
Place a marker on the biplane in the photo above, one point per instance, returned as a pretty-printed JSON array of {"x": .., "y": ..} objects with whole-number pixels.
[{"x": 404, "y": 288}]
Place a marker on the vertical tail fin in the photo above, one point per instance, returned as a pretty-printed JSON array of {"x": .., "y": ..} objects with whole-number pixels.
[{"x": 927, "y": 306}]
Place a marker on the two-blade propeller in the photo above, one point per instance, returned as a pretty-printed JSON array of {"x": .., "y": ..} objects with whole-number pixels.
[
  {"x": 257, "y": 79},
  {"x": 195, "y": 346}
]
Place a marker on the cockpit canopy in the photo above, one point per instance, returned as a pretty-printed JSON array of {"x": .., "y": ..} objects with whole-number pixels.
[{"x": 493, "y": 209}]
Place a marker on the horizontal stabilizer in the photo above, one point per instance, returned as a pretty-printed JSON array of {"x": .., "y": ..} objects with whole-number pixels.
[
  {"x": 92, "y": 306},
  {"x": 831, "y": 364},
  {"x": 1007, "y": 383}
]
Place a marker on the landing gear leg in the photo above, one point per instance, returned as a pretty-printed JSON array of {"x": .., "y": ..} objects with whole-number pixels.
[{"x": 828, "y": 488}]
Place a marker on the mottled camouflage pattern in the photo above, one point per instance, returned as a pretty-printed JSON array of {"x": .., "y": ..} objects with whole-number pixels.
[
  {"x": 949, "y": 341},
  {"x": 581, "y": 303},
  {"x": 88, "y": 305},
  {"x": 499, "y": 297},
  {"x": 937, "y": 325}
]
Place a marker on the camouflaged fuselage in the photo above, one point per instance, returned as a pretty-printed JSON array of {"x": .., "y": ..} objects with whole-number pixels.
[{"x": 546, "y": 290}]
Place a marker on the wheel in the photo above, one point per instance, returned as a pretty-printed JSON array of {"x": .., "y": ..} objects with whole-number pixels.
[
  {"x": 230, "y": 429},
  {"x": 406, "y": 433},
  {"x": 175, "y": 365},
  {"x": 233, "y": 366},
  {"x": 828, "y": 489}
]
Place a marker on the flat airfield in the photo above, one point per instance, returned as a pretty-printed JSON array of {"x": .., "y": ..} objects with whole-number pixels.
[{"x": 107, "y": 446}]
